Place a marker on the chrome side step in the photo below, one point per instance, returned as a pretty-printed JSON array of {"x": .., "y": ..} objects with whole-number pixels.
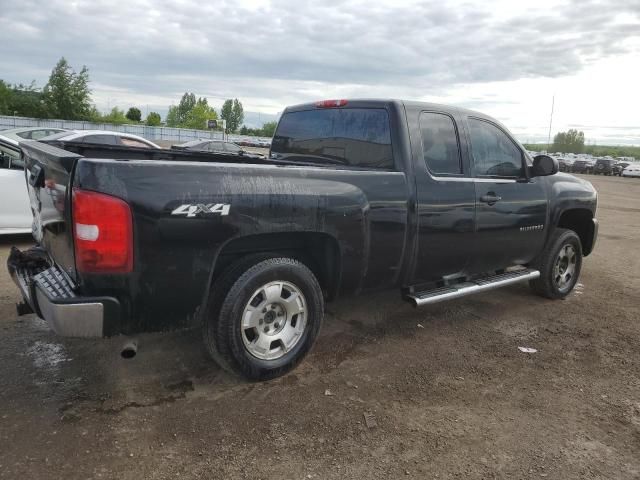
[{"x": 467, "y": 288}]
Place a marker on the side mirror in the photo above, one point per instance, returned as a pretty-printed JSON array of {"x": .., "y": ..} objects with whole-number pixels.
[
  {"x": 544, "y": 165},
  {"x": 241, "y": 152}
]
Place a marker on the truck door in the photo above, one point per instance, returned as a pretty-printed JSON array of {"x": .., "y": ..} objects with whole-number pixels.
[
  {"x": 511, "y": 210},
  {"x": 445, "y": 196}
]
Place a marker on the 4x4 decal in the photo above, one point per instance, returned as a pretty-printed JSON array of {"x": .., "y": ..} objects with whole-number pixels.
[{"x": 193, "y": 209}]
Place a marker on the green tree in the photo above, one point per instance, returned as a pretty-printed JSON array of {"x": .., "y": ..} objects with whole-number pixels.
[
  {"x": 199, "y": 114},
  {"x": 22, "y": 100},
  {"x": 172, "y": 117},
  {"x": 134, "y": 114},
  {"x": 67, "y": 94},
  {"x": 269, "y": 128},
  {"x": 94, "y": 115},
  {"x": 5, "y": 98},
  {"x": 153, "y": 119},
  {"x": 28, "y": 101},
  {"x": 227, "y": 110},
  {"x": 187, "y": 102},
  {"x": 596, "y": 150},
  {"x": 116, "y": 116},
  {"x": 233, "y": 113},
  {"x": 238, "y": 114},
  {"x": 571, "y": 141}
]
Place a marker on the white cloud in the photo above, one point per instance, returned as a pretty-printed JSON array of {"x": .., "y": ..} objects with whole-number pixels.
[{"x": 502, "y": 57}]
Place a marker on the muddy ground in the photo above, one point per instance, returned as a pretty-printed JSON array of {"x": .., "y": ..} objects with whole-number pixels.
[{"x": 388, "y": 392}]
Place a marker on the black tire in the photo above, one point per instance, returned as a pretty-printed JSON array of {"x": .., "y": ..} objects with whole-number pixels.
[
  {"x": 549, "y": 265},
  {"x": 230, "y": 296}
]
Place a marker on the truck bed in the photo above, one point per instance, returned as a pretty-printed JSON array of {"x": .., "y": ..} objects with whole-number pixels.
[{"x": 194, "y": 213}]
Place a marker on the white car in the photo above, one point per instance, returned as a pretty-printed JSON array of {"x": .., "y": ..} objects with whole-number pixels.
[
  {"x": 15, "y": 135},
  {"x": 15, "y": 209},
  {"x": 631, "y": 171},
  {"x": 103, "y": 137}
]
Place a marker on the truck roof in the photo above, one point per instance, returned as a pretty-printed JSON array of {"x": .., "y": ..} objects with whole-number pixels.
[{"x": 382, "y": 102}]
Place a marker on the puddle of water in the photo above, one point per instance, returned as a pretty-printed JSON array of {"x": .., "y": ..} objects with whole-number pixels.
[
  {"x": 39, "y": 324},
  {"x": 47, "y": 355}
]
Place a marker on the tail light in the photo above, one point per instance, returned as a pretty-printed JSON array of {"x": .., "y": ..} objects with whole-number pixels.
[
  {"x": 103, "y": 233},
  {"x": 331, "y": 103}
]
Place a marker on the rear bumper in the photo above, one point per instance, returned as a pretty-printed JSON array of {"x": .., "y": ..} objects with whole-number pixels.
[{"x": 51, "y": 295}]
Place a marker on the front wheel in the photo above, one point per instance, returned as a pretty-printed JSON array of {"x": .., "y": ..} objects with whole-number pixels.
[
  {"x": 263, "y": 317},
  {"x": 559, "y": 264}
]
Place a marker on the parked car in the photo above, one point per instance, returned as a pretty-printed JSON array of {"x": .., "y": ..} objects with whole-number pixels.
[
  {"x": 101, "y": 137},
  {"x": 252, "y": 142},
  {"x": 215, "y": 146},
  {"x": 364, "y": 195},
  {"x": 604, "y": 166},
  {"x": 565, "y": 164},
  {"x": 15, "y": 210},
  {"x": 15, "y": 135},
  {"x": 582, "y": 166},
  {"x": 633, "y": 170},
  {"x": 619, "y": 167}
]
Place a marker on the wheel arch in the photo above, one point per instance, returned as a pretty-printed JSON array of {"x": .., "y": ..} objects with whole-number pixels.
[
  {"x": 580, "y": 220},
  {"x": 319, "y": 251}
]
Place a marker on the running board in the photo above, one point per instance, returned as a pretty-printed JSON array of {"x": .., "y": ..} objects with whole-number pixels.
[{"x": 467, "y": 288}]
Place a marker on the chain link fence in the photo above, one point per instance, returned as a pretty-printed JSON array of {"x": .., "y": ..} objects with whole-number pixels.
[{"x": 177, "y": 135}]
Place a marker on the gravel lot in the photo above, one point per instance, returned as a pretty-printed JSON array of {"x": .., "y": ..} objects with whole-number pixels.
[{"x": 388, "y": 392}]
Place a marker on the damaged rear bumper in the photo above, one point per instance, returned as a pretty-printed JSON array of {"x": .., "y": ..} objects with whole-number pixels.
[{"x": 52, "y": 296}]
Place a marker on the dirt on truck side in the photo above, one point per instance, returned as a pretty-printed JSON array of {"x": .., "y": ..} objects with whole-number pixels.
[{"x": 389, "y": 391}]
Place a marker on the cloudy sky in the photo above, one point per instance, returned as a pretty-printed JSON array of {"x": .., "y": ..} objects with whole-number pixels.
[{"x": 506, "y": 58}]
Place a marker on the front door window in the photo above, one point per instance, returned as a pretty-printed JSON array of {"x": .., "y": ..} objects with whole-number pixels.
[{"x": 494, "y": 153}]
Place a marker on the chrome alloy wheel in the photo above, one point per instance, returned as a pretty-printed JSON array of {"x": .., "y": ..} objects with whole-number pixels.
[
  {"x": 274, "y": 320},
  {"x": 564, "y": 269}
]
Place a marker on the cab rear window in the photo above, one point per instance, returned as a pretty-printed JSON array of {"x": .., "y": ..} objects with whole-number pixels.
[{"x": 356, "y": 137}]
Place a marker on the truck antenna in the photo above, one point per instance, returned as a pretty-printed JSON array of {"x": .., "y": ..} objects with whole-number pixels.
[{"x": 553, "y": 98}]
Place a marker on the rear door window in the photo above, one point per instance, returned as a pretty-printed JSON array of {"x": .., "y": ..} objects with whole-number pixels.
[
  {"x": 440, "y": 146},
  {"x": 216, "y": 147},
  {"x": 356, "y": 137},
  {"x": 198, "y": 146},
  {"x": 232, "y": 148},
  {"x": 101, "y": 139}
]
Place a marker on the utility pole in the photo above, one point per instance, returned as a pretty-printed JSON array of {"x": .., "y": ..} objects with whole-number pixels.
[{"x": 553, "y": 98}]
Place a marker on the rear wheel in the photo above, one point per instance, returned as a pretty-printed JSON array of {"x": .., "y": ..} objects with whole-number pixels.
[
  {"x": 263, "y": 317},
  {"x": 559, "y": 264}
]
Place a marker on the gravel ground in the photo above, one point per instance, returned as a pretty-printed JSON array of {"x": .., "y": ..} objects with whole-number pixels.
[{"x": 388, "y": 392}]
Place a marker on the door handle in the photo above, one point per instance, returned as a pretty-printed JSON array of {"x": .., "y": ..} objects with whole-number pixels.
[{"x": 490, "y": 198}]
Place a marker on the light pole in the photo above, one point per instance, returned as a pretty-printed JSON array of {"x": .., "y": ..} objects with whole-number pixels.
[
  {"x": 553, "y": 99},
  {"x": 14, "y": 118}
]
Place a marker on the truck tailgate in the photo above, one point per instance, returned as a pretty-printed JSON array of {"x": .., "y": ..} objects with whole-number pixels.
[{"x": 49, "y": 173}]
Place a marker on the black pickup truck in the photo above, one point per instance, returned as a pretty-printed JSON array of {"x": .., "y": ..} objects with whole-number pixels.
[{"x": 435, "y": 201}]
